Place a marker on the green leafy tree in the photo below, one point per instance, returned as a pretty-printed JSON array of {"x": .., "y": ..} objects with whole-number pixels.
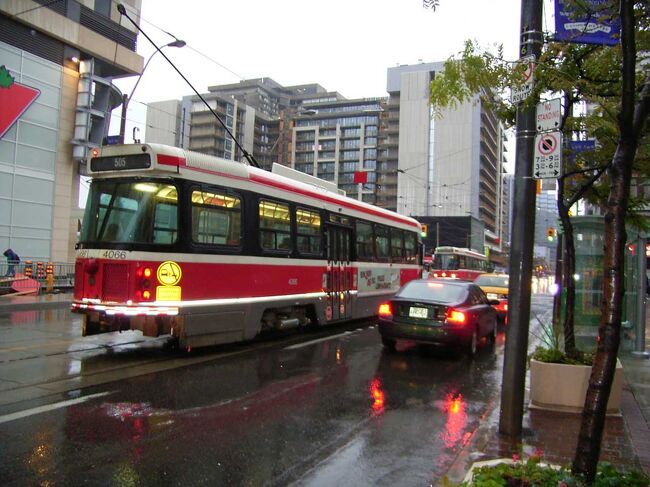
[{"x": 614, "y": 83}]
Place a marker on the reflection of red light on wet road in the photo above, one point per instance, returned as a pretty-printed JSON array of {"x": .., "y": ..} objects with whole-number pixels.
[
  {"x": 456, "y": 420},
  {"x": 377, "y": 396}
]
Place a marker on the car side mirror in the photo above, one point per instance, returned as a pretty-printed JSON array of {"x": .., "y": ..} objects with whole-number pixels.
[{"x": 494, "y": 302}]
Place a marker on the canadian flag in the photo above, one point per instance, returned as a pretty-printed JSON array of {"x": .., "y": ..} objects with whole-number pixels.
[{"x": 360, "y": 177}]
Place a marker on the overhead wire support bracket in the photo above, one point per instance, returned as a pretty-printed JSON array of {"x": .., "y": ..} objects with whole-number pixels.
[{"x": 249, "y": 157}]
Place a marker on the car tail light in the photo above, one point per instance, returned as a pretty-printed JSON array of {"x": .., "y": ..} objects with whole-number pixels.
[
  {"x": 385, "y": 310},
  {"x": 456, "y": 317}
]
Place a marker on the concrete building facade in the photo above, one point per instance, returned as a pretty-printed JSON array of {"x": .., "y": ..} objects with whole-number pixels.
[
  {"x": 448, "y": 164},
  {"x": 64, "y": 54}
]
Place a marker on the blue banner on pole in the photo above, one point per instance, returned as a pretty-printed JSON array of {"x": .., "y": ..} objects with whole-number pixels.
[{"x": 597, "y": 26}]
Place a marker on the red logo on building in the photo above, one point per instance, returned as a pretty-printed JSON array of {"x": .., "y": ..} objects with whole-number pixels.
[{"x": 15, "y": 98}]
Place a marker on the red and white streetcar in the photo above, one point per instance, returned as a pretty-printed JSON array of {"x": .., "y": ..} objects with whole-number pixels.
[
  {"x": 212, "y": 251},
  {"x": 458, "y": 263}
]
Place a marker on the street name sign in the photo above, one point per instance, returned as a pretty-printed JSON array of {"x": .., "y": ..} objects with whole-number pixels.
[
  {"x": 548, "y": 155},
  {"x": 520, "y": 92},
  {"x": 549, "y": 115}
]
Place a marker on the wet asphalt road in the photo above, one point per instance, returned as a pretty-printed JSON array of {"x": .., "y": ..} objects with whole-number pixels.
[{"x": 305, "y": 410}]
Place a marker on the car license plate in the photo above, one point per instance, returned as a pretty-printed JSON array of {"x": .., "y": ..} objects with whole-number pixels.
[
  {"x": 492, "y": 296},
  {"x": 418, "y": 312}
]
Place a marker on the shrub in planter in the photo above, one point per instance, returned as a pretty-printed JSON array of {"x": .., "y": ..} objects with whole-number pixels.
[{"x": 533, "y": 473}]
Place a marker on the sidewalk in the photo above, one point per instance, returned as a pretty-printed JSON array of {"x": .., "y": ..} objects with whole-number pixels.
[{"x": 626, "y": 439}]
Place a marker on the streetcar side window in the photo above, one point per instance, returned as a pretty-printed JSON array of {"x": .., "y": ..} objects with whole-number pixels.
[
  {"x": 397, "y": 245},
  {"x": 275, "y": 225},
  {"x": 216, "y": 218},
  {"x": 382, "y": 243},
  {"x": 365, "y": 250},
  {"x": 308, "y": 231},
  {"x": 410, "y": 247}
]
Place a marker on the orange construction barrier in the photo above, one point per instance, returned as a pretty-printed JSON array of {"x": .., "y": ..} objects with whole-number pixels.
[
  {"x": 29, "y": 269},
  {"x": 40, "y": 270}
]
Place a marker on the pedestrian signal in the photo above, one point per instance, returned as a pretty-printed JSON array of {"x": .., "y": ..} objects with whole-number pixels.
[{"x": 425, "y": 229}]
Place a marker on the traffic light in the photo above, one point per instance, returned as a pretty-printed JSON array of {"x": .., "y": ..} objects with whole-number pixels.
[
  {"x": 425, "y": 229},
  {"x": 550, "y": 233}
]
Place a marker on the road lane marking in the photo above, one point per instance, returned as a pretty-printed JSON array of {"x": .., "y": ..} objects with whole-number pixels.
[
  {"x": 306, "y": 344},
  {"x": 50, "y": 407}
]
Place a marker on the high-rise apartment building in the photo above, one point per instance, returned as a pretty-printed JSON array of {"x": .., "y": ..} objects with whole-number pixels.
[
  {"x": 392, "y": 151},
  {"x": 57, "y": 61},
  {"x": 449, "y": 163}
]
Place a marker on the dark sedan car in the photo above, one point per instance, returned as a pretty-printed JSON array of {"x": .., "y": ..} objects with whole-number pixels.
[{"x": 438, "y": 312}]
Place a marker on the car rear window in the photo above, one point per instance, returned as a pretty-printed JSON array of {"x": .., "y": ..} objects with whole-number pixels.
[
  {"x": 438, "y": 291},
  {"x": 500, "y": 281}
]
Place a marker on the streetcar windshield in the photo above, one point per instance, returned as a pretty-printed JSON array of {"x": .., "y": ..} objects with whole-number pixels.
[{"x": 131, "y": 212}]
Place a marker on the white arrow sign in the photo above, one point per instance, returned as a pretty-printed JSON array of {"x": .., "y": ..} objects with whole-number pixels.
[{"x": 548, "y": 155}]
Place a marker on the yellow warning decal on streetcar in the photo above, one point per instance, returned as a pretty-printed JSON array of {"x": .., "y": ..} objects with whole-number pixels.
[
  {"x": 169, "y": 273},
  {"x": 168, "y": 293}
]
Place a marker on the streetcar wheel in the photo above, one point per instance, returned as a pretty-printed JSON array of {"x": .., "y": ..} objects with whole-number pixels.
[
  {"x": 90, "y": 327},
  {"x": 388, "y": 344}
]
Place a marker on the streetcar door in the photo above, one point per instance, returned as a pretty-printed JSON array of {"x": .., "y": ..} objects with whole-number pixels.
[{"x": 339, "y": 272}]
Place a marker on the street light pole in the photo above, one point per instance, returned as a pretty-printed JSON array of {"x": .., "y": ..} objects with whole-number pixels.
[
  {"x": 127, "y": 98},
  {"x": 521, "y": 255}
]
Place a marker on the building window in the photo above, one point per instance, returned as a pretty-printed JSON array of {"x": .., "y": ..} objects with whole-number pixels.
[
  {"x": 275, "y": 225},
  {"x": 103, "y": 7},
  {"x": 216, "y": 218}
]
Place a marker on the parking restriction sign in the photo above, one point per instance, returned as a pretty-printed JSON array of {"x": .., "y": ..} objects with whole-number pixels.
[{"x": 548, "y": 155}]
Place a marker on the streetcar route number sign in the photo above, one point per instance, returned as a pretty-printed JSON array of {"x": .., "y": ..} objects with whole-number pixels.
[{"x": 548, "y": 155}]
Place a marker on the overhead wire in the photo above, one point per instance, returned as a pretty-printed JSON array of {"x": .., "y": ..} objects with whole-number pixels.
[{"x": 36, "y": 8}]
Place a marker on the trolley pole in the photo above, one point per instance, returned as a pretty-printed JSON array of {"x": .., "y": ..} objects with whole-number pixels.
[{"x": 523, "y": 233}]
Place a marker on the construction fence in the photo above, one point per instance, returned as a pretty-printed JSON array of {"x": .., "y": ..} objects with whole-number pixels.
[{"x": 59, "y": 275}]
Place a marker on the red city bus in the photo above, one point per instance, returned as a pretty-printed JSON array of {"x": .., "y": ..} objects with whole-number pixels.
[
  {"x": 213, "y": 251},
  {"x": 458, "y": 263}
]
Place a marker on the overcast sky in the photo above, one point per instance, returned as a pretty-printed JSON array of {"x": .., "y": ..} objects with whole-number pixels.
[{"x": 343, "y": 45}]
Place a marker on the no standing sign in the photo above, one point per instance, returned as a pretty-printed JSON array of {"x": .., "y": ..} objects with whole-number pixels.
[{"x": 548, "y": 155}]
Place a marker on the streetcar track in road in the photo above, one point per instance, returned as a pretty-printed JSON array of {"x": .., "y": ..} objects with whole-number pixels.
[
  {"x": 318, "y": 340},
  {"x": 62, "y": 352},
  {"x": 50, "y": 407},
  {"x": 164, "y": 361}
]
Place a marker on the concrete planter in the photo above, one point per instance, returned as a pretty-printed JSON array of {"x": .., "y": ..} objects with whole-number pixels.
[{"x": 561, "y": 387}]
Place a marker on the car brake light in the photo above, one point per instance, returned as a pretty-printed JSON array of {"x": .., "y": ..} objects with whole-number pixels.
[
  {"x": 385, "y": 309},
  {"x": 455, "y": 316}
]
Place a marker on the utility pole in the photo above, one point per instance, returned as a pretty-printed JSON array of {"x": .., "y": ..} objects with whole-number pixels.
[{"x": 523, "y": 234}]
